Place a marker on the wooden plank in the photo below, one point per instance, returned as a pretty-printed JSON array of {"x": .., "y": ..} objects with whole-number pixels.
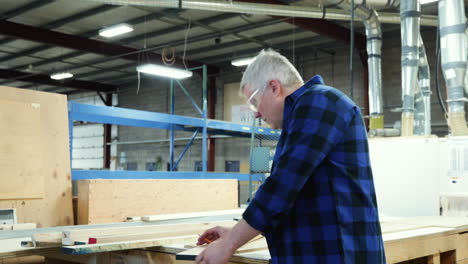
[
  {"x": 55, "y": 207},
  {"x": 69, "y": 237},
  {"x": 85, "y": 231},
  {"x": 110, "y": 201},
  {"x": 20, "y": 150},
  {"x": 13, "y": 227},
  {"x": 139, "y": 236},
  {"x": 191, "y": 215},
  {"x": 106, "y": 247}
]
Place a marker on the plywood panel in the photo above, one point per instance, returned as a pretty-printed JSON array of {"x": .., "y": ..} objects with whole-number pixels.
[
  {"x": 107, "y": 201},
  {"x": 20, "y": 151},
  {"x": 55, "y": 206}
]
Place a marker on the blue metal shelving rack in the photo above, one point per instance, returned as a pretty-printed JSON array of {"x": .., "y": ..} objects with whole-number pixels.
[{"x": 138, "y": 118}]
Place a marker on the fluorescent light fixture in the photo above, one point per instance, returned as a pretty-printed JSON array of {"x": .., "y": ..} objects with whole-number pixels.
[
  {"x": 115, "y": 30},
  {"x": 61, "y": 75},
  {"x": 164, "y": 71},
  {"x": 242, "y": 62},
  {"x": 423, "y": 2}
]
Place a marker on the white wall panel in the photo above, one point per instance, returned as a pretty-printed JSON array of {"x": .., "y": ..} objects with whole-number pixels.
[{"x": 407, "y": 172}]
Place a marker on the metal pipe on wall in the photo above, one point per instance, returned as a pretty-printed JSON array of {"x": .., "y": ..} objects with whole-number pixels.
[
  {"x": 453, "y": 47},
  {"x": 423, "y": 96},
  {"x": 374, "y": 60},
  {"x": 261, "y": 9},
  {"x": 374, "y": 46},
  {"x": 409, "y": 13}
]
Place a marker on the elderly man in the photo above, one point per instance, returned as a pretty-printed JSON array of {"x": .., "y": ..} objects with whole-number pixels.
[{"x": 319, "y": 203}]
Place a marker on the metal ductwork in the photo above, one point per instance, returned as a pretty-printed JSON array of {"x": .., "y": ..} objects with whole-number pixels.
[
  {"x": 409, "y": 13},
  {"x": 423, "y": 94},
  {"x": 374, "y": 45},
  {"x": 260, "y": 9},
  {"x": 375, "y": 4},
  {"x": 374, "y": 60},
  {"x": 453, "y": 45}
]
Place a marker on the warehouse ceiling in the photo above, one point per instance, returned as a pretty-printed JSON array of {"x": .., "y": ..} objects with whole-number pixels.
[{"x": 38, "y": 38}]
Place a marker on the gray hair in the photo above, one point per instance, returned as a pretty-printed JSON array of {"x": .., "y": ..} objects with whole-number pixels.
[{"x": 269, "y": 65}]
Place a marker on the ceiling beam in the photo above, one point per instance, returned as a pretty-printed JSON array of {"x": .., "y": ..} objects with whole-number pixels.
[
  {"x": 320, "y": 26},
  {"x": 24, "y": 8},
  {"x": 79, "y": 43},
  {"x": 64, "y": 57},
  {"x": 138, "y": 20},
  {"x": 328, "y": 29},
  {"x": 73, "y": 18},
  {"x": 45, "y": 79}
]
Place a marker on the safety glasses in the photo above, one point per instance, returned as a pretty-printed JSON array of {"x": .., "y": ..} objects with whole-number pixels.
[{"x": 254, "y": 100}]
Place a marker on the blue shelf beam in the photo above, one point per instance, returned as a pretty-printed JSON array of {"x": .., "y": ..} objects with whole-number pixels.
[{"x": 139, "y": 118}]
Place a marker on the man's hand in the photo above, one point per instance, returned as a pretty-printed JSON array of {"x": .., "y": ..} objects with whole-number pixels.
[
  {"x": 223, "y": 242},
  {"x": 212, "y": 234},
  {"x": 217, "y": 252}
]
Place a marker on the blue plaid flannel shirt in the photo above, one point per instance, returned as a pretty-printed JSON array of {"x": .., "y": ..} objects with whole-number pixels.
[{"x": 319, "y": 204}]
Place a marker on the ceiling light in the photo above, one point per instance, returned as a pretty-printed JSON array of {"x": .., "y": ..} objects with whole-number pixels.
[
  {"x": 423, "y": 2},
  {"x": 164, "y": 71},
  {"x": 115, "y": 30},
  {"x": 242, "y": 62},
  {"x": 61, "y": 75}
]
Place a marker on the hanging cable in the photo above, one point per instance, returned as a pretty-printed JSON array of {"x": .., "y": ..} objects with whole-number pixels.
[
  {"x": 185, "y": 41},
  {"x": 351, "y": 52},
  {"x": 439, "y": 94}
]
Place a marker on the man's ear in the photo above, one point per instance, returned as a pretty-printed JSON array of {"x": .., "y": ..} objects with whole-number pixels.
[{"x": 276, "y": 87}]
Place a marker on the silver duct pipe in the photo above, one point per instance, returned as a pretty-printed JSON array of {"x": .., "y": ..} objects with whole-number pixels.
[
  {"x": 376, "y": 4},
  {"x": 409, "y": 13},
  {"x": 466, "y": 71},
  {"x": 384, "y": 132},
  {"x": 374, "y": 45},
  {"x": 453, "y": 45},
  {"x": 260, "y": 9},
  {"x": 423, "y": 96},
  {"x": 374, "y": 61}
]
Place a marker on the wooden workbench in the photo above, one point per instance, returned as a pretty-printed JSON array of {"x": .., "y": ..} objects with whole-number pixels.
[{"x": 426, "y": 239}]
